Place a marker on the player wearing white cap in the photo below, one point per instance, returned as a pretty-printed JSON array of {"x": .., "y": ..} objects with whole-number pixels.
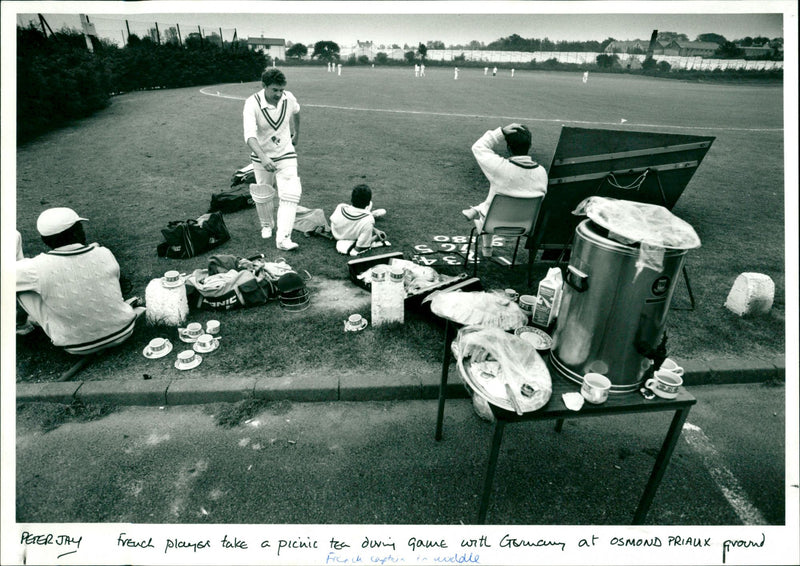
[
  {"x": 271, "y": 120},
  {"x": 73, "y": 290}
]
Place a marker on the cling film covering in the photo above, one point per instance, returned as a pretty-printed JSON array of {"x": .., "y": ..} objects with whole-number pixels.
[
  {"x": 653, "y": 227},
  {"x": 489, "y": 358}
]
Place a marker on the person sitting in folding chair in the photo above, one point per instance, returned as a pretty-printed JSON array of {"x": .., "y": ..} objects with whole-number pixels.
[
  {"x": 353, "y": 225},
  {"x": 73, "y": 291},
  {"x": 518, "y": 175}
]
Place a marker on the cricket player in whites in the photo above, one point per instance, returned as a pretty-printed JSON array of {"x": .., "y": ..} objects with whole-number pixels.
[{"x": 271, "y": 128}]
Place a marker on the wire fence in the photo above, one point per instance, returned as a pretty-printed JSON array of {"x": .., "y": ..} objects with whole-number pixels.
[{"x": 118, "y": 30}]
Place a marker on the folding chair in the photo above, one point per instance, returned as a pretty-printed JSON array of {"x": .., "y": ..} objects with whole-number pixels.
[{"x": 510, "y": 217}]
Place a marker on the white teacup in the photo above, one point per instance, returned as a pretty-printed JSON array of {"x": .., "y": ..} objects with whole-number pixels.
[
  {"x": 526, "y": 303},
  {"x": 157, "y": 345},
  {"x": 664, "y": 383},
  {"x": 186, "y": 358},
  {"x": 191, "y": 332},
  {"x": 355, "y": 322},
  {"x": 212, "y": 327},
  {"x": 512, "y": 295},
  {"x": 595, "y": 388},
  {"x": 172, "y": 279},
  {"x": 670, "y": 365},
  {"x": 205, "y": 342}
]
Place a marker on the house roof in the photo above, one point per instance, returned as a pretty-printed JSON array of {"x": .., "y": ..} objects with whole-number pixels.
[
  {"x": 697, "y": 45},
  {"x": 265, "y": 41}
]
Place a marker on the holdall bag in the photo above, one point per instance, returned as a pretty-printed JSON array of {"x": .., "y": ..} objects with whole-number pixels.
[
  {"x": 231, "y": 201},
  {"x": 187, "y": 238}
]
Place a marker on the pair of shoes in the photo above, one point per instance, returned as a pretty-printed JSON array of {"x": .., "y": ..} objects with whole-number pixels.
[
  {"x": 378, "y": 212},
  {"x": 25, "y": 328},
  {"x": 286, "y": 245},
  {"x": 486, "y": 251},
  {"x": 470, "y": 213},
  {"x": 266, "y": 232}
]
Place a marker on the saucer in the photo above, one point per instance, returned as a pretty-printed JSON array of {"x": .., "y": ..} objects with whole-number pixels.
[
  {"x": 149, "y": 354},
  {"x": 539, "y": 339},
  {"x": 361, "y": 326},
  {"x": 197, "y": 359},
  {"x": 188, "y": 339},
  {"x": 214, "y": 346},
  {"x": 168, "y": 285}
]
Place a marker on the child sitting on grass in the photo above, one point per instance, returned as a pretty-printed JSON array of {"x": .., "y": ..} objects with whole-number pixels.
[{"x": 353, "y": 225}]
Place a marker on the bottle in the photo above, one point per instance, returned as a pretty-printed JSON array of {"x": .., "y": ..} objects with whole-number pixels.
[
  {"x": 378, "y": 290},
  {"x": 395, "y": 295}
]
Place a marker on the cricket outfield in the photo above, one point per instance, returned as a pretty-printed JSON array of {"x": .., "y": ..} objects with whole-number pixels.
[{"x": 157, "y": 156}]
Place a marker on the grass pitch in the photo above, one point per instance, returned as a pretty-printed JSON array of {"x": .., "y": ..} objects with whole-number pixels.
[{"x": 157, "y": 156}]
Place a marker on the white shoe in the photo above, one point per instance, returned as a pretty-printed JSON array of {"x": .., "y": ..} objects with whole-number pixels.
[
  {"x": 470, "y": 213},
  {"x": 378, "y": 212},
  {"x": 286, "y": 245},
  {"x": 266, "y": 232}
]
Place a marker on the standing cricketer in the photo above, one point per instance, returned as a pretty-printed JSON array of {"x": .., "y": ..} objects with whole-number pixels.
[{"x": 271, "y": 128}]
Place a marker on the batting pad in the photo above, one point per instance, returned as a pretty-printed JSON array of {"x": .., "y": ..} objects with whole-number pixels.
[
  {"x": 289, "y": 188},
  {"x": 261, "y": 193}
]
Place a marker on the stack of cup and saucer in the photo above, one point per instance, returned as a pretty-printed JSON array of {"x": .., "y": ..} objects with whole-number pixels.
[
  {"x": 205, "y": 343},
  {"x": 191, "y": 333},
  {"x": 355, "y": 323},
  {"x": 157, "y": 348},
  {"x": 188, "y": 359},
  {"x": 172, "y": 279}
]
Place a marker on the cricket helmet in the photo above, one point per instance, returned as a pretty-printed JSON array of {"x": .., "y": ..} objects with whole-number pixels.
[{"x": 292, "y": 292}]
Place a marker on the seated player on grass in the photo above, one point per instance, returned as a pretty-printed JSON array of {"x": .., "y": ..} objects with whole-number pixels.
[
  {"x": 353, "y": 225},
  {"x": 72, "y": 291}
]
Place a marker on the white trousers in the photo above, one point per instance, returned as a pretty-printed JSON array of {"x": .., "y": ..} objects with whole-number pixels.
[{"x": 289, "y": 189}]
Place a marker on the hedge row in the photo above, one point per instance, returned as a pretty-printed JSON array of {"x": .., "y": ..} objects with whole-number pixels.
[{"x": 59, "y": 80}]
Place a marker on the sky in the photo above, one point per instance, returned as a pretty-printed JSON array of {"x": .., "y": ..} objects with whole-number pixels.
[{"x": 386, "y": 23}]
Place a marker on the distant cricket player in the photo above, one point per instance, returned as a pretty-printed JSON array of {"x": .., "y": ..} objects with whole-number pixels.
[
  {"x": 585, "y": 77},
  {"x": 271, "y": 128}
]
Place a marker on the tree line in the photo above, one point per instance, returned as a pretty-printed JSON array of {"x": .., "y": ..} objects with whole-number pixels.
[{"x": 60, "y": 80}]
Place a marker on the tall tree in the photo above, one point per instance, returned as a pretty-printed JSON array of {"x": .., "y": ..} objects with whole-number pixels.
[
  {"x": 297, "y": 50},
  {"x": 712, "y": 38},
  {"x": 667, "y": 36},
  {"x": 422, "y": 50},
  {"x": 729, "y": 50},
  {"x": 326, "y": 51}
]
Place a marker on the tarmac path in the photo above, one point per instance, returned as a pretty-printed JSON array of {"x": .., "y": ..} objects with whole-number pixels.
[{"x": 377, "y": 463}]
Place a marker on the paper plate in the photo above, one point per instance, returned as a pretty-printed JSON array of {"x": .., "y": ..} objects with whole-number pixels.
[{"x": 540, "y": 339}]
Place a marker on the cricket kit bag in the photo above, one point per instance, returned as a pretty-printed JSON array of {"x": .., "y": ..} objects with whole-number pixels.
[
  {"x": 233, "y": 200},
  {"x": 231, "y": 282},
  {"x": 187, "y": 238}
]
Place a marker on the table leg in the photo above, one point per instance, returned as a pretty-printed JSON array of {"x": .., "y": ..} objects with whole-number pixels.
[
  {"x": 494, "y": 451},
  {"x": 661, "y": 464},
  {"x": 449, "y": 335}
]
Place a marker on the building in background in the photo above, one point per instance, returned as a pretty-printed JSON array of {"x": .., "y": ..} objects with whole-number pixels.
[
  {"x": 270, "y": 46},
  {"x": 691, "y": 48},
  {"x": 636, "y": 46}
]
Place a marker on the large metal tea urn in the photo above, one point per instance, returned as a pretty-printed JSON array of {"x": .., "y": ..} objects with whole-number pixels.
[{"x": 612, "y": 313}]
